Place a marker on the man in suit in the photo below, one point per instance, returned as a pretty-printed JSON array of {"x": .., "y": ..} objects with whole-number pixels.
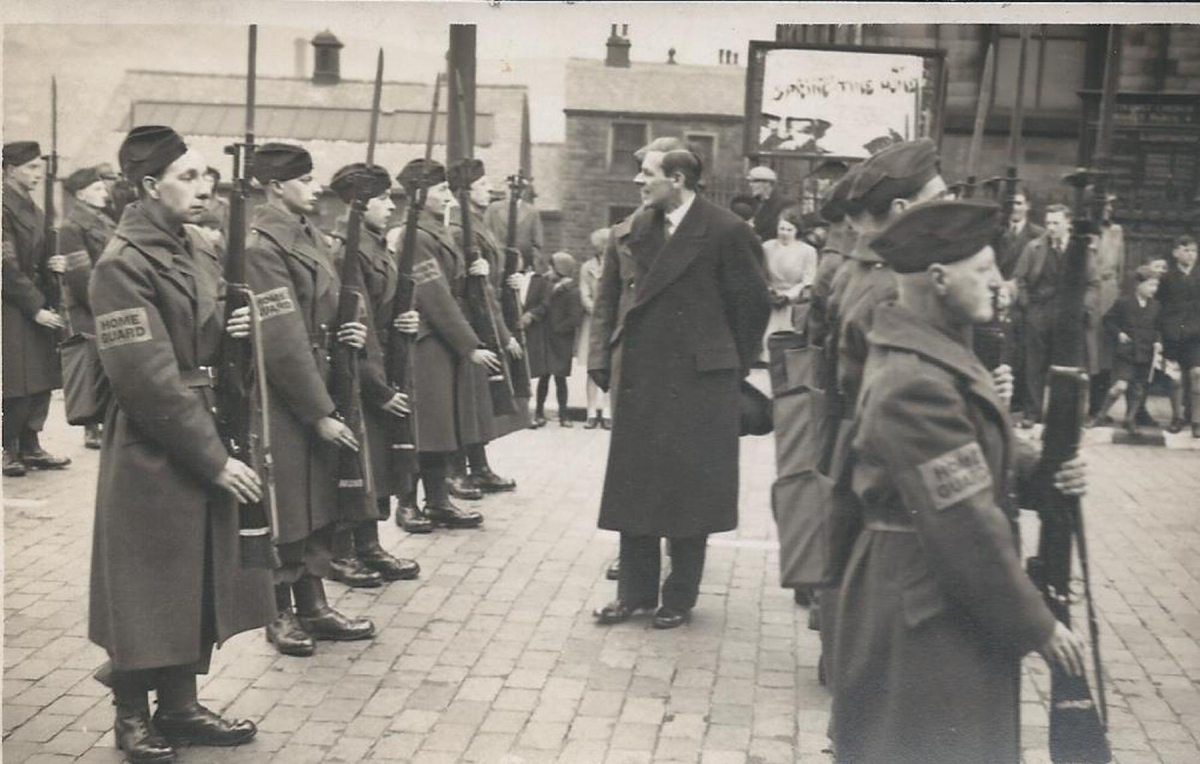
[
  {"x": 679, "y": 314},
  {"x": 1018, "y": 232}
]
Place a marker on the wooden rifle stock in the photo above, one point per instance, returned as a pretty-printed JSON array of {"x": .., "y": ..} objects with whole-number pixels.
[{"x": 510, "y": 299}]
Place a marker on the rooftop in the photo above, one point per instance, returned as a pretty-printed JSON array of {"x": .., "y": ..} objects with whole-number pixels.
[{"x": 654, "y": 88}]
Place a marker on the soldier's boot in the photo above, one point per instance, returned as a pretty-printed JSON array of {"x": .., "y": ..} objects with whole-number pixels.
[
  {"x": 458, "y": 482},
  {"x": 285, "y": 632},
  {"x": 1176, "y": 397},
  {"x": 133, "y": 730},
  {"x": 91, "y": 436},
  {"x": 36, "y": 457},
  {"x": 366, "y": 545},
  {"x": 409, "y": 515},
  {"x": 181, "y": 718},
  {"x": 354, "y": 572},
  {"x": 323, "y": 622},
  {"x": 1137, "y": 394},
  {"x": 13, "y": 466},
  {"x": 482, "y": 476},
  {"x": 441, "y": 512}
]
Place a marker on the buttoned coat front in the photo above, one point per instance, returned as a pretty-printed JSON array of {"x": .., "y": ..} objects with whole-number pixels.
[
  {"x": 678, "y": 323},
  {"x": 30, "y": 357},
  {"x": 160, "y": 317}
]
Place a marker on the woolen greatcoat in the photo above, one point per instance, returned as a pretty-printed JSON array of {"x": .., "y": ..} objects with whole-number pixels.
[
  {"x": 537, "y": 305},
  {"x": 563, "y": 315},
  {"x": 445, "y": 339},
  {"x": 30, "y": 354},
  {"x": 678, "y": 325},
  {"x": 935, "y": 607},
  {"x": 82, "y": 239},
  {"x": 1108, "y": 259},
  {"x": 530, "y": 236},
  {"x": 291, "y": 271},
  {"x": 1011, "y": 245},
  {"x": 158, "y": 306}
]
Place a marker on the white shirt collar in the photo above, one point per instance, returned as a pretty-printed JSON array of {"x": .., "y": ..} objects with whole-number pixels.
[{"x": 675, "y": 216}]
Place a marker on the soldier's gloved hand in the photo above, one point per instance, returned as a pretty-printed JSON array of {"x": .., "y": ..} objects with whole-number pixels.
[
  {"x": 514, "y": 281},
  {"x": 1002, "y": 382},
  {"x": 238, "y": 325},
  {"x": 601, "y": 377},
  {"x": 57, "y": 263},
  {"x": 479, "y": 268},
  {"x": 1065, "y": 648},
  {"x": 408, "y": 322},
  {"x": 240, "y": 480},
  {"x": 353, "y": 333},
  {"x": 1071, "y": 478},
  {"x": 397, "y": 405},
  {"x": 335, "y": 431},
  {"x": 49, "y": 319},
  {"x": 514, "y": 348},
  {"x": 485, "y": 357},
  {"x": 526, "y": 320}
]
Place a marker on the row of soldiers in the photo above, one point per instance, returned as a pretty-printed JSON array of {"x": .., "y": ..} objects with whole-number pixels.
[{"x": 167, "y": 583}]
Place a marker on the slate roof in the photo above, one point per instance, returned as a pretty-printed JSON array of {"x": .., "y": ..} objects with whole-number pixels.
[{"x": 652, "y": 88}]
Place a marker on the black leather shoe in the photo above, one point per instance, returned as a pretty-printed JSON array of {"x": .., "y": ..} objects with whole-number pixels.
[
  {"x": 667, "y": 618},
  {"x": 606, "y": 423},
  {"x": 329, "y": 624},
  {"x": 390, "y": 567},
  {"x": 289, "y": 637},
  {"x": 614, "y": 571},
  {"x": 91, "y": 437},
  {"x": 1130, "y": 426},
  {"x": 43, "y": 460},
  {"x": 449, "y": 516},
  {"x": 13, "y": 466},
  {"x": 619, "y": 612},
  {"x": 489, "y": 482},
  {"x": 564, "y": 422},
  {"x": 412, "y": 520},
  {"x": 462, "y": 487},
  {"x": 199, "y": 726},
  {"x": 538, "y": 422},
  {"x": 354, "y": 573},
  {"x": 137, "y": 737},
  {"x": 1175, "y": 426}
]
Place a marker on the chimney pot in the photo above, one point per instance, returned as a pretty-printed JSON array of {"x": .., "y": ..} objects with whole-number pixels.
[
  {"x": 327, "y": 59},
  {"x": 671, "y": 56},
  {"x": 735, "y": 59},
  {"x": 624, "y": 30},
  {"x": 618, "y": 49}
]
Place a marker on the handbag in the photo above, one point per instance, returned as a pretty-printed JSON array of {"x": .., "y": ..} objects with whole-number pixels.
[{"x": 85, "y": 387}]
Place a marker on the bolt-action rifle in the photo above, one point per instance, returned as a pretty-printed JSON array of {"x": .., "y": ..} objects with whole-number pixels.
[
  {"x": 510, "y": 300},
  {"x": 56, "y": 296}
]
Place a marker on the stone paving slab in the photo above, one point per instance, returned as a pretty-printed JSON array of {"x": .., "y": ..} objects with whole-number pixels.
[{"x": 492, "y": 656}]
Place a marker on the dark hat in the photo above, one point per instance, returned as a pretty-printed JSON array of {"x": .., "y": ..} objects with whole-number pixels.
[
  {"x": 281, "y": 161},
  {"x": 830, "y": 169},
  {"x": 105, "y": 170},
  {"x": 897, "y": 172},
  {"x": 18, "y": 153},
  {"x": 835, "y": 206},
  {"x": 148, "y": 150},
  {"x": 942, "y": 231},
  {"x": 369, "y": 182},
  {"x": 422, "y": 173},
  {"x": 80, "y": 179},
  {"x": 743, "y": 205},
  {"x": 463, "y": 172}
]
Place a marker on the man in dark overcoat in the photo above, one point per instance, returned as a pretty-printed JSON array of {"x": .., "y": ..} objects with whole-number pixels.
[
  {"x": 292, "y": 273},
  {"x": 30, "y": 326},
  {"x": 83, "y": 236},
  {"x": 935, "y": 609},
  {"x": 166, "y": 580},
  {"x": 769, "y": 201},
  {"x": 370, "y": 564},
  {"x": 680, "y": 312}
]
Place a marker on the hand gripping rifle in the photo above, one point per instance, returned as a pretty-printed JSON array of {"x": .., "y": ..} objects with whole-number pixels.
[
  {"x": 510, "y": 300},
  {"x": 242, "y": 402},
  {"x": 402, "y": 431},
  {"x": 356, "y": 485},
  {"x": 1077, "y": 726}
]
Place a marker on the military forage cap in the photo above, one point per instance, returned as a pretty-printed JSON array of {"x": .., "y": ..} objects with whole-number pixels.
[
  {"x": 835, "y": 207},
  {"x": 80, "y": 179},
  {"x": 18, "y": 153},
  {"x": 148, "y": 150},
  {"x": 463, "y": 172},
  {"x": 422, "y": 173},
  {"x": 281, "y": 161},
  {"x": 897, "y": 172},
  {"x": 942, "y": 231},
  {"x": 368, "y": 181}
]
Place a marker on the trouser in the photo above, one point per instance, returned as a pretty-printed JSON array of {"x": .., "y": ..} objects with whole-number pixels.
[
  {"x": 433, "y": 477},
  {"x": 475, "y": 455},
  {"x": 1039, "y": 330},
  {"x": 24, "y": 417},
  {"x": 560, "y": 392},
  {"x": 641, "y": 567}
]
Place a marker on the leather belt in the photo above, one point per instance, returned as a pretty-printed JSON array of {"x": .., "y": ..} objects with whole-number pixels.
[
  {"x": 884, "y": 526},
  {"x": 201, "y": 376}
]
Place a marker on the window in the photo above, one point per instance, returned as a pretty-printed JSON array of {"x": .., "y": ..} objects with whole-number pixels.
[
  {"x": 1055, "y": 66},
  {"x": 618, "y": 212},
  {"x": 626, "y": 138},
  {"x": 706, "y": 146}
]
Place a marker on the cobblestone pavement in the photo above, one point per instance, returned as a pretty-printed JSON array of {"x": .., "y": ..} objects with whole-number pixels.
[{"x": 492, "y": 656}]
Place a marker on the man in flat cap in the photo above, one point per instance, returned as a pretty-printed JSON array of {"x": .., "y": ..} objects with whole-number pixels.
[
  {"x": 31, "y": 328},
  {"x": 481, "y": 426},
  {"x": 166, "y": 578},
  {"x": 935, "y": 605},
  {"x": 446, "y": 349},
  {"x": 82, "y": 238},
  {"x": 678, "y": 321},
  {"x": 370, "y": 565},
  {"x": 768, "y": 199},
  {"x": 292, "y": 271}
]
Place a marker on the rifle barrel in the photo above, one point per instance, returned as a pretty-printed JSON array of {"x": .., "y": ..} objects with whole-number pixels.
[
  {"x": 1017, "y": 121},
  {"x": 376, "y": 99},
  {"x": 251, "y": 77},
  {"x": 981, "y": 113}
]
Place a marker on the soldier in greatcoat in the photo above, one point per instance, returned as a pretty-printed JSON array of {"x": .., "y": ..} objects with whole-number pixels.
[
  {"x": 370, "y": 564},
  {"x": 30, "y": 325},
  {"x": 292, "y": 272},
  {"x": 166, "y": 579},
  {"x": 935, "y": 609},
  {"x": 82, "y": 238}
]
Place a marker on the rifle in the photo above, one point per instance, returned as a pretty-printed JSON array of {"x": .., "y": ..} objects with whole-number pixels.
[
  {"x": 1077, "y": 726},
  {"x": 242, "y": 397},
  {"x": 510, "y": 300},
  {"x": 56, "y": 297},
  {"x": 483, "y": 320},
  {"x": 402, "y": 431},
  {"x": 356, "y": 485}
]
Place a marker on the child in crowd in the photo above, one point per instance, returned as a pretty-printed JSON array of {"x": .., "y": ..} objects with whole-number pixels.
[
  {"x": 1132, "y": 324},
  {"x": 589, "y": 282},
  {"x": 533, "y": 320},
  {"x": 564, "y": 313}
]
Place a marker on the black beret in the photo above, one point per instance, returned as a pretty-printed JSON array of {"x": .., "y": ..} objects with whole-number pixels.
[
  {"x": 148, "y": 150},
  {"x": 835, "y": 207},
  {"x": 369, "y": 182},
  {"x": 422, "y": 173},
  {"x": 80, "y": 179},
  {"x": 463, "y": 172},
  {"x": 897, "y": 172},
  {"x": 18, "y": 153},
  {"x": 281, "y": 161},
  {"x": 942, "y": 231}
]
